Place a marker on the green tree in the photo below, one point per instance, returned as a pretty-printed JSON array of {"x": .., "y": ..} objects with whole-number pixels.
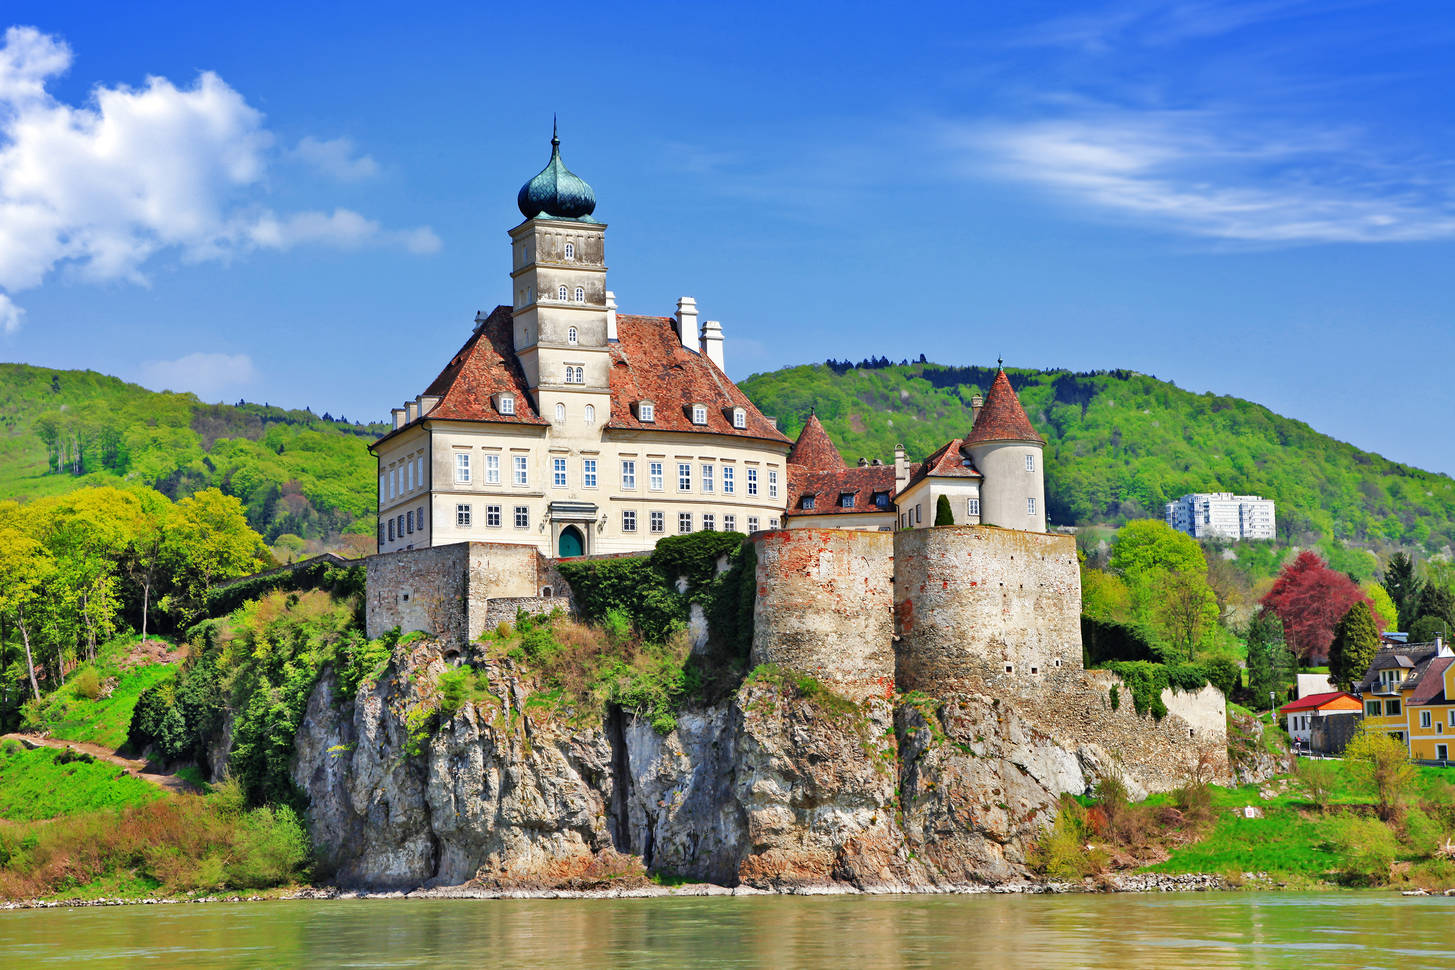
[
  {"x": 943, "y": 515},
  {"x": 1356, "y": 641},
  {"x": 1146, "y": 544},
  {"x": 1384, "y": 606},
  {"x": 26, "y": 568},
  {"x": 209, "y": 540},
  {"x": 1403, "y": 586},
  {"x": 1437, "y": 599},
  {"x": 1379, "y": 764},
  {"x": 1186, "y": 610},
  {"x": 1269, "y": 662},
  {"x": 1427, "y": 628},
  {"x": 1105, "y": 596}
]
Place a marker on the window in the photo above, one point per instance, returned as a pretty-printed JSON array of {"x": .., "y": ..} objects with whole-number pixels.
[
  {"x": 659, "y": 522},
  {"x": 558, "y": 472},
  {"x": 628, "y": 473},
  {"x": 1030, "y": 506},
  {"x": 561, "y": 413},
  {"x": 580, "y": 295},
  {"x": 571, "y": 335},
  {"x": 1371, "y": 708},
  {"x": 707, "y": 482},
  {"x": 740, "y": 418},
  {"x": 575, "y": 375},
  {"x": 570, "y": 251},
  {"x": 1424, "y": 719},
  {"x": 462, "y": 468},
  {"x": 409, "y": 477},
  {"x": 709, "y": 522},
  {"x": 752, "y": 523},
  {"x": 1030, "y": 463},
  {"x": 727, "y": 479},
  {"x": 684, "y": 522},
  {"x": 1452, "y": 718},
  {"x": 730, "y": 523},
  {"x": 806, "y": 502},
  {"x": 684, "y": 476},
  {"x": 492, "y": 469},
  {"x": 773, "y": 523},
  {"x": 590, "y": 413},
  {"x": 881, "y": 500},
  {"x": 391, "y": 530},
  {"x": 588, "y": 472},
  {"x": 381, "y": 533},
  {"x": 383, "y": 487},
  {"x": 419, "y": 518},
  {"x": 462, "y": 516},
  {"x": 772, "y": 484},
  {"x": 752, "y": 481},
  {"x": 522, "y": 516},
  {"x": 846, "y": 500},
  {"x": 1442, "y": 752},
  {"x": 972, "y": 506},
  {"x": 646, "y": 411},
  {"x": 654, "y": 475},
  {"x": 628, "y": 521},
  {"x": 507, "y": 404},
  {"x": 492, "y": 516},
  {"x": 918, "y": 514},
  {"x": 392, "y": 478},
  {"x": 699, "y": 414},
  {"x": 419, "y": 472},
  {"x": 522, "y": 473},
  {"x": 1391, "y": 708},
  {"x": 561, "y": 293}
]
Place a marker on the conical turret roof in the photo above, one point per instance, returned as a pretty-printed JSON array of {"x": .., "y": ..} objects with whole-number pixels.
[
  {"x": 1002, "y": 418},
  {"x": 814, "y": 449}
]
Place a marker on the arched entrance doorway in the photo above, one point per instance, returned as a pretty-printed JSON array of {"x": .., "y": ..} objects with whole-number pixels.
[{"x": 572, "y": 543}]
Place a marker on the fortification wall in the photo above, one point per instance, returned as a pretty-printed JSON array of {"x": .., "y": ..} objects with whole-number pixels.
[
  {"x": 823, "y": 607},
  {"x": 446, "y": 590},
  {"x": 976, "y": 604}
]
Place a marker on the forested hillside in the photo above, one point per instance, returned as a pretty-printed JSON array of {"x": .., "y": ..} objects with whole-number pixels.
[
  {"x": 298, "y": 474},
  {"x": 1120, "y": 444}
]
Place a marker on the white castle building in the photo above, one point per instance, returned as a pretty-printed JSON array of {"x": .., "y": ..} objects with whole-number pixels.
[
  {"x": 567, "y": 426},
  {"x": 1223, "y": 515}
]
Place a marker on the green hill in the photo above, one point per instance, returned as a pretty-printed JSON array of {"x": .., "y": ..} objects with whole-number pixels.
[
  {"x": 1121, "y": 444},
  {"x": 296, "y": 472}
]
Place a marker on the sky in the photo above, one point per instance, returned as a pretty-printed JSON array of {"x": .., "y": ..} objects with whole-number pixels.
[{"x": 308, "y": 206}]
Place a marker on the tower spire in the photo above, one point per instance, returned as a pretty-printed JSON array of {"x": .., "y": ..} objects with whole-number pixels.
[{"x": 555, "y": 141}]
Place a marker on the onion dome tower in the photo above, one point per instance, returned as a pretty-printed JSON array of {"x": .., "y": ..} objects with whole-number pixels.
[{"x": 556, "y": 192}]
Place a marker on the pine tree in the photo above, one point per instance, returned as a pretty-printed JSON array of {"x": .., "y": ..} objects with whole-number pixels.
[
  {"x": 1356, "y": 641},
  {"x": 1403, "y": 586},
  {"x": 943, "y": 515}
]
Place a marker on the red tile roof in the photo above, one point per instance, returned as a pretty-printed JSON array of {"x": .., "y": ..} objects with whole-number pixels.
[
  {"x": 1002, "y": 418},
  {"x": 649, "y": 363},
  {"x": 949, "y": 462},
  {"x": 814, "y": 449},
  {"x": 1315, "y": 701},
  {"x": 1432, "y": 682},
  {"x": 827, "y": 487}
]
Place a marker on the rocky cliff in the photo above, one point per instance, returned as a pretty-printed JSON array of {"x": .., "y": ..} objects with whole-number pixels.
[{"x": 781, "y": 784}]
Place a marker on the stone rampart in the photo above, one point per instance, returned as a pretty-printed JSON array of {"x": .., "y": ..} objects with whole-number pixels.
[
  {"x": 446, "y": 590},
  {"x": 979, "y": 604},
  {"x": 823, "y": 607}
]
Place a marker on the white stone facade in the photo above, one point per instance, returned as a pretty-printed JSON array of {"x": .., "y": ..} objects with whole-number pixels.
[{"x": 1223, "y": 515}]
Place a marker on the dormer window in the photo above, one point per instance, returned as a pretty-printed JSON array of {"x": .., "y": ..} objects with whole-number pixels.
[
  {"x": 740, "y": 418},
  {"x": 846, "y": 500},
  {"x": 506, "y": 405},
  {"x": 646, "y": 411},
  {"x": 881, "y": 500},
  {"x": 806, "y": 502},
  {"x": 571, "y": 335},
  {"x": 570, "y": 252},
  {"x": 699, "y": 414},
  {"x": 563, "y": 294},
  {"x": 580, "y": 295}
]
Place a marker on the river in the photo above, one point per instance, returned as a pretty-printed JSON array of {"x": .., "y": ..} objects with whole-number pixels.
[{"x": 1203, "y": 931}]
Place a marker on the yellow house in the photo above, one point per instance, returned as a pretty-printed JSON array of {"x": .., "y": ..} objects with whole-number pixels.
[{"x": 1430, "y": 712}]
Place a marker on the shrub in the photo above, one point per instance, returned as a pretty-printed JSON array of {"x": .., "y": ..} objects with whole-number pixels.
[
  {"x": 87, "y": 683},
  {"x": 1319, "y": 779},
  {"x": 943, "y": 513},
  {"x": 1366, "y": 848},
  {"x": 1223, "y": 674},
  {"x": 1421, "y": 833},
  {"x": 1380, "y": 764},
  {"x": 1063, "y": 852}
]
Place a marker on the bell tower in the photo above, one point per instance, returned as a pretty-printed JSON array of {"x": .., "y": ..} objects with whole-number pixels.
[{"x": 558, "y": 280}]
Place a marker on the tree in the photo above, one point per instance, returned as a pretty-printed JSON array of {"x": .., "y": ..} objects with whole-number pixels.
[
  {"x": 1383, "y": 604},
  {"x": 1310, "y": 599},
  {"x": 1380, "y": 764},
  {"x": 1438, "y": 600},
  {"x": 25, "y": 570},
  {"x": 1356, "y": 641},
  {"x": 1186, "y": 611},
  {"x": 1427, "y": 628},
  {"x": 1105, "y": 597},
  {"x": 1146, "y": 544},
  {"x": 943, "y": 515},
  {"x": 1270, "y": 666},
  {"x": 1402, "y": 585},
  {"x": 209, "y": 540}
]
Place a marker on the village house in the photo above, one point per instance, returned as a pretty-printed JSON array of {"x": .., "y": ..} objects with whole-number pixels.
[
  {"x": 1302, "y": 713},
  {"x": 1402, "y": 696}
]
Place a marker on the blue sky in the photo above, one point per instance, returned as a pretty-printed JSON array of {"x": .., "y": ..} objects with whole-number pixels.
[{"x": 308, "y": 207}]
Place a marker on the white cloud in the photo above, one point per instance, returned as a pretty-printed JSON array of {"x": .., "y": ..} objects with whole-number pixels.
[
  {"x": 99, "y": 190},
  {"x": 10, "y": 315},
  {"x": 1220, "y": 176},
  {"x": 336, "y": 157},
  {"x": 206, "y": 375}
]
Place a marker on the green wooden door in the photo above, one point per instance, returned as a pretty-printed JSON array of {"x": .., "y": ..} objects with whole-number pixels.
[{"x": 571, "y": 543}]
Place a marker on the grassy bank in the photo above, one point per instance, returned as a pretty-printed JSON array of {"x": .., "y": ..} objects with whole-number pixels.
[
  {"x": 96, "y": 701},
  {"x": 48, "y": 783}
]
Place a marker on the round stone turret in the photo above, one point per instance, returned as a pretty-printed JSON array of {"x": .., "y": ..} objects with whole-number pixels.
[{"x": 556, "y": 192}]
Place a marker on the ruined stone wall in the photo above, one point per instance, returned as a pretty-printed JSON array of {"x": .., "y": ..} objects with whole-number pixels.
[
  {"x": 823, "y": 607},
  {"x": 979, "y": 604},
  {"x": 446, "y": 590}
]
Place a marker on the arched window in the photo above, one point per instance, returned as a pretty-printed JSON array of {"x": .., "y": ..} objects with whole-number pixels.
[
  {"x": 560, "y": 414},
  {"x": 571, "y": 336},
  {"x": 561, "y": 293},
  {"x": 570, "y": 250},
  {"x": 580, "y": 295},
  {"x": 580, "y": 375},
  {"x": 590, "y": 414}
]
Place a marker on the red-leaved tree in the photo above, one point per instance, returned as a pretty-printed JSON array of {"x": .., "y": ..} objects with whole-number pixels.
[{"x": 1310, "y": 599}]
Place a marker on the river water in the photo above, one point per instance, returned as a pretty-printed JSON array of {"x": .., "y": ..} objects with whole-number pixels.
[{"x": 1202, "y": 931}]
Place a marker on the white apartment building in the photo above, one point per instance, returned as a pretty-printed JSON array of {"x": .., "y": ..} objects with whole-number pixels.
[{"x": 1223, "y": 515}]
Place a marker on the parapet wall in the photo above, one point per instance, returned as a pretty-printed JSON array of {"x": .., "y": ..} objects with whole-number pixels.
[
  {"x": 976, "y": 604},
  {"x": 446, "y": 590},
  {"x": 823, "y": 607}
]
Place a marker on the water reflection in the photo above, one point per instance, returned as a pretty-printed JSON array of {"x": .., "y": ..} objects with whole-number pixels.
[{"x": 814, "y": 933}]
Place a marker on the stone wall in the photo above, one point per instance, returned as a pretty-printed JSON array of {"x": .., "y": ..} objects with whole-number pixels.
[
  {"x": 446, "y": 590},
  {"x": 823, "y": 607},
  {"x": 991, "y": 606}
]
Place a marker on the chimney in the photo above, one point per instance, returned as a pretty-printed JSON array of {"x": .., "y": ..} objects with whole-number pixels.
[
  {"x": 398, "y": 417},
  {"x": 976, "y": 403},
  {"x": 687, "y": 321},
  {"x": 610, "y": 315},
  {"x": 863, "y": 463},
  {"x": 711, "y": 342},
  {"x": 876, "y": 463},
  {"x": 901, "y": 468},
  {"x": 411, "y": 410}
]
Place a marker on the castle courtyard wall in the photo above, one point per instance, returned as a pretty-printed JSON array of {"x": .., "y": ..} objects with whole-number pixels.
[{"x": 446, "y": 590}]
